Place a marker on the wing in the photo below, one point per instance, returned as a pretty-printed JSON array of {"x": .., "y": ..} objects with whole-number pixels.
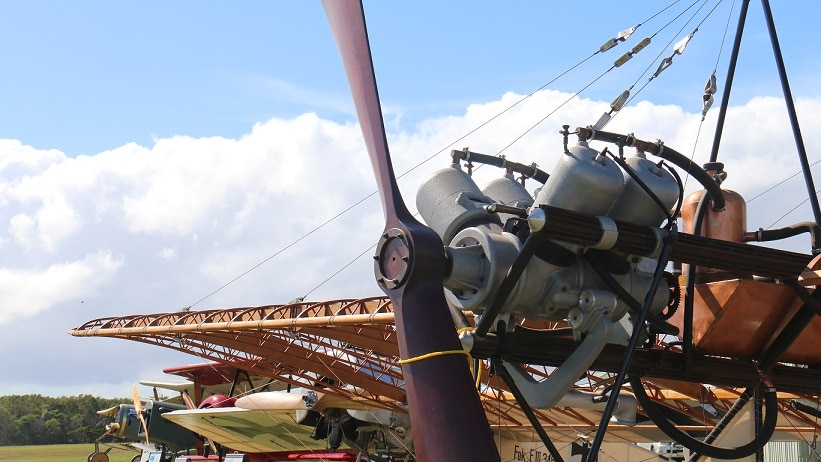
[{"x": 248, "y": 430}]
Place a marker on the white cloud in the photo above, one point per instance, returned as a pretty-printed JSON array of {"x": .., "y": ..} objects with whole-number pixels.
[
  {"x": 187, "y": 215},
  {"x": 167, "y": 253},
  {"x": 21, "y": 227},
  {"x": 28, "y": 292}
]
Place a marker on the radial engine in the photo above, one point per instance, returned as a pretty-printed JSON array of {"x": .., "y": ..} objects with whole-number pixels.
[
  {"x": 595, "y": 289},
  {"x": 561, "y": 281}
]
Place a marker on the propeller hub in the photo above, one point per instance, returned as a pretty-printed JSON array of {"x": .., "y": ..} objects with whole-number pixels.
[{"x": 392, "y": 261}]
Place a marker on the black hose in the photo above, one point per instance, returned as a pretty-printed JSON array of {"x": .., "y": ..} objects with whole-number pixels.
[
  {"x": 689, "y": 290},
  {"x": 658, "y": 418},
  {"x": 764, "y": 235},
  {"x": 629, "y": 170},
  {"x": 665, "y": 152},
  {"x": 680, "y": 191},
  {"x": 625, "y": 296},
  {"x": 698, "y": 173}
]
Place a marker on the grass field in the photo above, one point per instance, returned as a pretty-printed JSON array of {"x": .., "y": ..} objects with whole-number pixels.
[{"x": 60, "y": 452}]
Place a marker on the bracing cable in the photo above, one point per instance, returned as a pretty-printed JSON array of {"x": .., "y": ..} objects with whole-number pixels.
[
  {"x": 647, "y": 69},
  {"x": 460, "y": 138}
]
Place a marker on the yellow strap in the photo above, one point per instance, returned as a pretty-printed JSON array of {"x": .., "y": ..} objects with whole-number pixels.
[{"x": 433, "y": 355}]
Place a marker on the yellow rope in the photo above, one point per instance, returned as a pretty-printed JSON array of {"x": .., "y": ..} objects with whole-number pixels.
[
  {"x": 433, "y": 355},
  {"x": 478, "y": 374},
  {"x": 450, "y": 352}
]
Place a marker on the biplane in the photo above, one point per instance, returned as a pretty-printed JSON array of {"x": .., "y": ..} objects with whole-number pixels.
[
  {"x": 140, "y": 424},
  {"x": 608, "y": 307}
]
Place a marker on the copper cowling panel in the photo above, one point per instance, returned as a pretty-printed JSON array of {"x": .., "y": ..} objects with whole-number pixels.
[{"x": 740, "y": 317}]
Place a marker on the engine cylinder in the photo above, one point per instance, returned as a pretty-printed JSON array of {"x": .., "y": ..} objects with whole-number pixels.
[
  {"x": 634, "y": 205},
  {"x": 583, "y": 180},
  {"x": 507, "y": 191},
  {"x": 449, "y": 200}
]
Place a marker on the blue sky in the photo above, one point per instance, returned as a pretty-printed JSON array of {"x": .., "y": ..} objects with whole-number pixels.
[
  {"x": 152, "y": 151},
  {"x": 88, "y": 78}
]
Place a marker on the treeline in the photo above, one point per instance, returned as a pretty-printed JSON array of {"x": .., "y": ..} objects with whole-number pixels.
[{"x": 36, "y": 419}]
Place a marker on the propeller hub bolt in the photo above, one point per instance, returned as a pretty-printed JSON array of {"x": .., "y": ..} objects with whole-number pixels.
[{"x": 392, "y": 261}]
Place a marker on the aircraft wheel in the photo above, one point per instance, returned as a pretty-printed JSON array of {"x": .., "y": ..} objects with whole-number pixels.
[{"x": 98, "y": 457}]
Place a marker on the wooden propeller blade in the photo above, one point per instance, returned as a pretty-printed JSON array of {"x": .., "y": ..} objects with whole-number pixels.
[
  {"x": 110, "y": 412},
  {"x": 447, "y": 418},
  {"x": 138, "y": 406},
  {"x": 348, "y": 25}
]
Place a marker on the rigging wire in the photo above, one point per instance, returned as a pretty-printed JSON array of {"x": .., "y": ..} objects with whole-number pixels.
[
  {"x": 780, "y": 183},
  {"x": 791, "y": 210},
  {"x": 658, "y": 12},
  {"x": 554, "y": 111},
  {"x": 293, "y": 243},
  {"x": 718, "y": 58},
  {"x": 671, "y": 40},
  {"x": 724, "y": 36},
  {"x": 406, "y": 172},
  {"x": 674, "y": 37},
  {"x": 346, "y": 265},
  {"x": 811, "y": 445},
  {"x": 622, "y": 61},
  {"x": 470, "y": 132},
  {"x": 693, "y": 154}
]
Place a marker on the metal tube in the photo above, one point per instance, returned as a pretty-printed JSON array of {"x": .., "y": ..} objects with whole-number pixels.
[
  {"x": 631, "y": 347},
  {"x": 531, "y": 416},
  {"x": 725, "y": 98},
  {"x": 796, "y": 130}
]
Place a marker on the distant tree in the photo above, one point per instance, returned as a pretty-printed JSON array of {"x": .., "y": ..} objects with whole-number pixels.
[
  {"x": 8, "y": 430},
  {"x": 36, "y": 419}
]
